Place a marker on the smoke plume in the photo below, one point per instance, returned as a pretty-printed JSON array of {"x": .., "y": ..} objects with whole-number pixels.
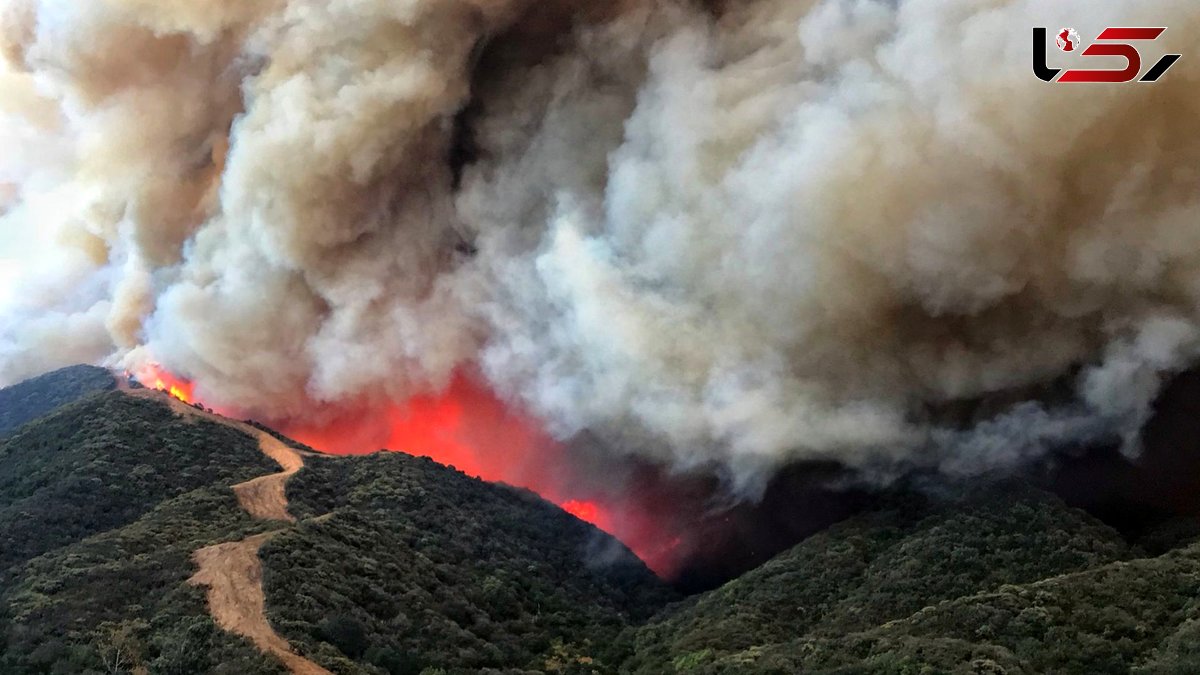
[{"x": 718, "y": 236}]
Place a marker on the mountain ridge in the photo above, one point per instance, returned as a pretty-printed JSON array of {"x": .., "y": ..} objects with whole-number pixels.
[
  {"x": 113, "y": 504},
  {"x": 38, "y": 396},
  {"x": 61, "y": 611}
]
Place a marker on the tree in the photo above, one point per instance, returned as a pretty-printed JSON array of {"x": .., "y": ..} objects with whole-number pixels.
[
  {"x": 120, "y": 647},
  {"x": 345, "y": 633}
]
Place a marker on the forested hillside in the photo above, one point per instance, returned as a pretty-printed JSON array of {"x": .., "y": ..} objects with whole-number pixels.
[
  {"x": 1006, "y": 580},
  {"x": 102, "y": 503},
  {"x": 418, "y": 566},
  {"x": 104, "y": 462},
  {"x": 79, "y": 608},
  {"x": 31, "y": 399},
  {"x": 396, "y": 564}
]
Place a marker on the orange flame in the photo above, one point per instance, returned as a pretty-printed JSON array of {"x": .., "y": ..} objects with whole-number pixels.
[
  {"x": 582, "y": 510},
  {"x": 164, "y": 381}
]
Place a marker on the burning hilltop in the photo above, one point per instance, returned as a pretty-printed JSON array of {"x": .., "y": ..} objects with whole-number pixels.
[
  {"x": 468, "y": 428},
  {"x": 129, "y": 511}
]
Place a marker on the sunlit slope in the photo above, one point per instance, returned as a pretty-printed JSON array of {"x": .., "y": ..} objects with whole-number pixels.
[
  {"x": 102, "y": 503},
  {"x": 69, "y": 611}
]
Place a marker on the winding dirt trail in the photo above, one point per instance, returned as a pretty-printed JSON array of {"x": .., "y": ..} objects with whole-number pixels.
[
  {"x": 232, "y": 572},
  {"x": 265, "y": 497}
]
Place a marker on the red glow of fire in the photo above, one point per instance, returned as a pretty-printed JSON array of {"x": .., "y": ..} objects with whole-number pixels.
[
  {"x": 156, "y": 377},
  {"x": 469, "y": 428},
  {"x": 582, "y": 510}
]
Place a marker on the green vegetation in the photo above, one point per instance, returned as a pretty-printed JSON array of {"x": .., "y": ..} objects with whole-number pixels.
[
  {"x": 102, "y": 503},
  {"x": 1135, "y": 616},
  {"x": 34, "y": 398},
  {"x": 1103, "y": 620},
  {"x": 125, "y": 591},
  {"x": 398, "y": 564},
  {"x": 417, "y": 566},
  {"x": 1006, "y": 581},
  {"x": 102, "y": 463},
  {"x": 402, "y": 566}
]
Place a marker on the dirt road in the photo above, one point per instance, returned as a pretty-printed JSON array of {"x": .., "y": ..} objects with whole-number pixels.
[
  {"x": 265, "y": 497},
  {"x": 233, "y": 574},
  {"x": 232, "y": 571}
]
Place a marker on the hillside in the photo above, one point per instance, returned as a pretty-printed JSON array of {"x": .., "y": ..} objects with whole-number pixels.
[
  {"x": 143, "y": 535},
  {"x": 1138, "y": 616},
  {"x": 1007, "y": 580},
  {"x": 39, "y": 396},
  {"x": 102, "y": 503},
  {"x": 102, "y": 463},
  {"x": 75, "y": 609},
  {"x": 109, "y": 504},
  {"x": 415, "y": 565}
]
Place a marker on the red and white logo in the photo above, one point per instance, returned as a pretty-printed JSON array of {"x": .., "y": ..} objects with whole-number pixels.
[
  {"x": 1112, "y": 41},
  {"x": 1067, "y": 40}
]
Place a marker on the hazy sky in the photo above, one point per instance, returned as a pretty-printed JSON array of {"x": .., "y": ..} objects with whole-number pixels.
[
  {"x": 9, "y": 263},
  {"x": 18, "y": 245}
]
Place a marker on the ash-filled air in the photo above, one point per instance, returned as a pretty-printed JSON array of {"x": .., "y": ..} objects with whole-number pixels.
[{"x": 723, "y": 236}]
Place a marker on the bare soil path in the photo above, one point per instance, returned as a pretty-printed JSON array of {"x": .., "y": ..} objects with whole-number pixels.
[
  {"x": 233, "y": 574},
  {"x": 232, "y": 571}
]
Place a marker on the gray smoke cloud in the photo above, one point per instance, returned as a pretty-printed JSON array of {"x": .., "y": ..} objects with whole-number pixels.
[{"x": 724, "y": 236}]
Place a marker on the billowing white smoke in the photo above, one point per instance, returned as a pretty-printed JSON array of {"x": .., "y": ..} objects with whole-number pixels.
[{"x": 729, "y": 237}]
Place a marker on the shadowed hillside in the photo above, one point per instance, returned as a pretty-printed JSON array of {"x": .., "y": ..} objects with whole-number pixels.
[
  {"x": 31, "y": 399},
  {"x": 1008, "y": 580},
  {"x": 416, "y": 565}
]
